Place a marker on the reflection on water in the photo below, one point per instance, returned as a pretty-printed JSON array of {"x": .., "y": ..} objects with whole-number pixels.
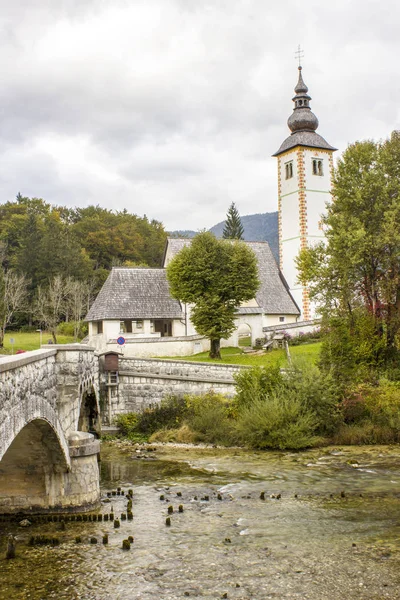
[{"x": 328, "y": 527}]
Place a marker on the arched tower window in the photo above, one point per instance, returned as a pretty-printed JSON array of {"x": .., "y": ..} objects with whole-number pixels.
[
  {"x": 289, "y": 170},
  {"x": 317, "y": 167}
]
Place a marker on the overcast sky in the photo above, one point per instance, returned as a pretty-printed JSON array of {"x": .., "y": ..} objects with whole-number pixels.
[{"x": 172, "y": 108}]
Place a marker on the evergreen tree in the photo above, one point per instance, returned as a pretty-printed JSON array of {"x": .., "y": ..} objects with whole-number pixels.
[{"x": 233, "y": 228}]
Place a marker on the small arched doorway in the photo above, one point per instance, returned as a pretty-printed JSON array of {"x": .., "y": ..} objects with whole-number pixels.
[
  {"x": 244, "y": 336},
  {"x": 89, "y": 415}
]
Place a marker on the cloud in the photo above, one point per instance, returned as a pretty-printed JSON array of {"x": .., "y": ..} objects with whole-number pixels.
[{"x": 174, "y": 107}]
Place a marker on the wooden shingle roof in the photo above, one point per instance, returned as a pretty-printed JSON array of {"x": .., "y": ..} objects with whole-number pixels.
[{"x": 135, "y": 293}]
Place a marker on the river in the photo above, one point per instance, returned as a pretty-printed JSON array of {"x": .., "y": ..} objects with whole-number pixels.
[{"x": 315, "y": 525}]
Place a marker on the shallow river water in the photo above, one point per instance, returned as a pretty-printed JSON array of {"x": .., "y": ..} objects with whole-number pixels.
[{"x": 321, "y": 524}]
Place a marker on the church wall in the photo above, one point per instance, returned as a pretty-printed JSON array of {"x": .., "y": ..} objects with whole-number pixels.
[
  {"x": 317, "y": 192},
  {"x": 302, "y": 202}
]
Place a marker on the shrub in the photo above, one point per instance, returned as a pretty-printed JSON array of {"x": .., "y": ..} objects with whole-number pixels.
[
  {"x": 318, "y": 393},
  {"x": 315, "y": 392},
  {"x": 280, "y": 423},
  {"x": 167, "y": 415},
  {"x": 127, "y": 423},
  {"x": 256, "y": 384},
  {"x": 210, "y": 417},
  {"x": 371, "y": 414},
  {"x": 306, "y": 338}
]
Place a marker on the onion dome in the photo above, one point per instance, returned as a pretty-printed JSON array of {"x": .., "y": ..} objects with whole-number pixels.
[
  {"x": 302, "y": 119},
  {"x": 302, "y": 122}
]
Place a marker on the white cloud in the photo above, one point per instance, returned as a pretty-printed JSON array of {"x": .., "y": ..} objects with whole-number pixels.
[{"x": 173, "y": 108}]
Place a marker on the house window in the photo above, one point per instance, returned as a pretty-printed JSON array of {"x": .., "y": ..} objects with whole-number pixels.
[
  {"x": 98, "y": 327},
  {"x": 138, "y": 324},
  {"x": 289, "y": 170},
  {"x": 317, "y": 168},
  {"x": 281, "y": 319},
  {"x": 125, "y": 326}
]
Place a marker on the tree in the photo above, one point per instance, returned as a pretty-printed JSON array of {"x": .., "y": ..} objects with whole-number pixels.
[
  {"x": 233, "y": 228},
  {"x": 13, "y": 297},
  {"x": 77, "y": 297},
  {"x": 215, "y": 276},
  {"x": 51, "y": 304},
  {"x": 356, "y": 274}
]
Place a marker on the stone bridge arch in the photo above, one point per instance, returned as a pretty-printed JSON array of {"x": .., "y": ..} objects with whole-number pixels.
[{"x": 46, "y": 464}]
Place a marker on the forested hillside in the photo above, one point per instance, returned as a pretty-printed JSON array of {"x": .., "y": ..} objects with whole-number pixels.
[{"x": 40, "y": 242}]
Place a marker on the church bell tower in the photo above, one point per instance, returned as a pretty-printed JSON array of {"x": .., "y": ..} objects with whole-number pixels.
[{"x": 305, "y": 169}]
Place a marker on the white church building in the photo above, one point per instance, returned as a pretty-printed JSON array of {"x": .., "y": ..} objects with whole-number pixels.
[{"x": 135, "y": 308}]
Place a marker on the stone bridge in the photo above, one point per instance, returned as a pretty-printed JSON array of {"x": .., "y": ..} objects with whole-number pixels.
[{"x": 49, "y": 415}]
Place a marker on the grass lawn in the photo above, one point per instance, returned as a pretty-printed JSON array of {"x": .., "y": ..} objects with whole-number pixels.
[
  {"x": 30, "y": 341},
  {"x": 306, "y": 352},
  {"x": 234, "y": 356}
]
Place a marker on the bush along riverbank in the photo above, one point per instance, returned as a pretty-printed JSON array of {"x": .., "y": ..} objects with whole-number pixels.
[{"x": 273, "y": 410}]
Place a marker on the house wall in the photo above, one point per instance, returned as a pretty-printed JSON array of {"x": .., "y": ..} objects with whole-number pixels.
[
  {"x": 143, "y": 383},
  {"x": 167, "y": 346},
  {"x": 111, "y": 331},
  {"x": 269, "y": 320}
]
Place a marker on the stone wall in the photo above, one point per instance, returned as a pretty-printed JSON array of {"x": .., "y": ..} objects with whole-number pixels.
[
  {"x": 45, "y": 463},
  {"x": 143, "y": 383}
]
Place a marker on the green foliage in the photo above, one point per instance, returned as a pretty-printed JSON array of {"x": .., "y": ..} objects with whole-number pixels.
[
  {"x": 352, "y": 349},
  {"x": 215, "y": 276},
  {"x": 371, "y": 414},
  {"x": 209, "y": 416},
  {"x": 289, "y": 410},
  {"x": 256, "y": 384},
  {"x": 233, "y": 228},
  {"x": 127, "y": 423},
  {"x": 280, "y": 422},
  {"x": 169, "y": 414},
  {"x": 69, "y": 328}
]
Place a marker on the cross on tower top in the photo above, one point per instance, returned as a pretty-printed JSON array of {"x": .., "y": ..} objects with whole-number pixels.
[{"x": 299, "y": 54}]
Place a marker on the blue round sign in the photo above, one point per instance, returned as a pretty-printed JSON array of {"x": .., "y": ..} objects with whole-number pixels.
[{"x": 121, "y": 341}]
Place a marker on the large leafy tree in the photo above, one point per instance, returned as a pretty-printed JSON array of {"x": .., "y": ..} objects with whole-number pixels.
[
  {"x": 233, "y": 228},
  {"x": 215, "y": 276},
  {"x": 357, "y": 271}
]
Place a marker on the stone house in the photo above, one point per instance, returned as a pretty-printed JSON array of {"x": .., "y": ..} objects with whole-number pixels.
[{"x": 135, "y": 304}]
